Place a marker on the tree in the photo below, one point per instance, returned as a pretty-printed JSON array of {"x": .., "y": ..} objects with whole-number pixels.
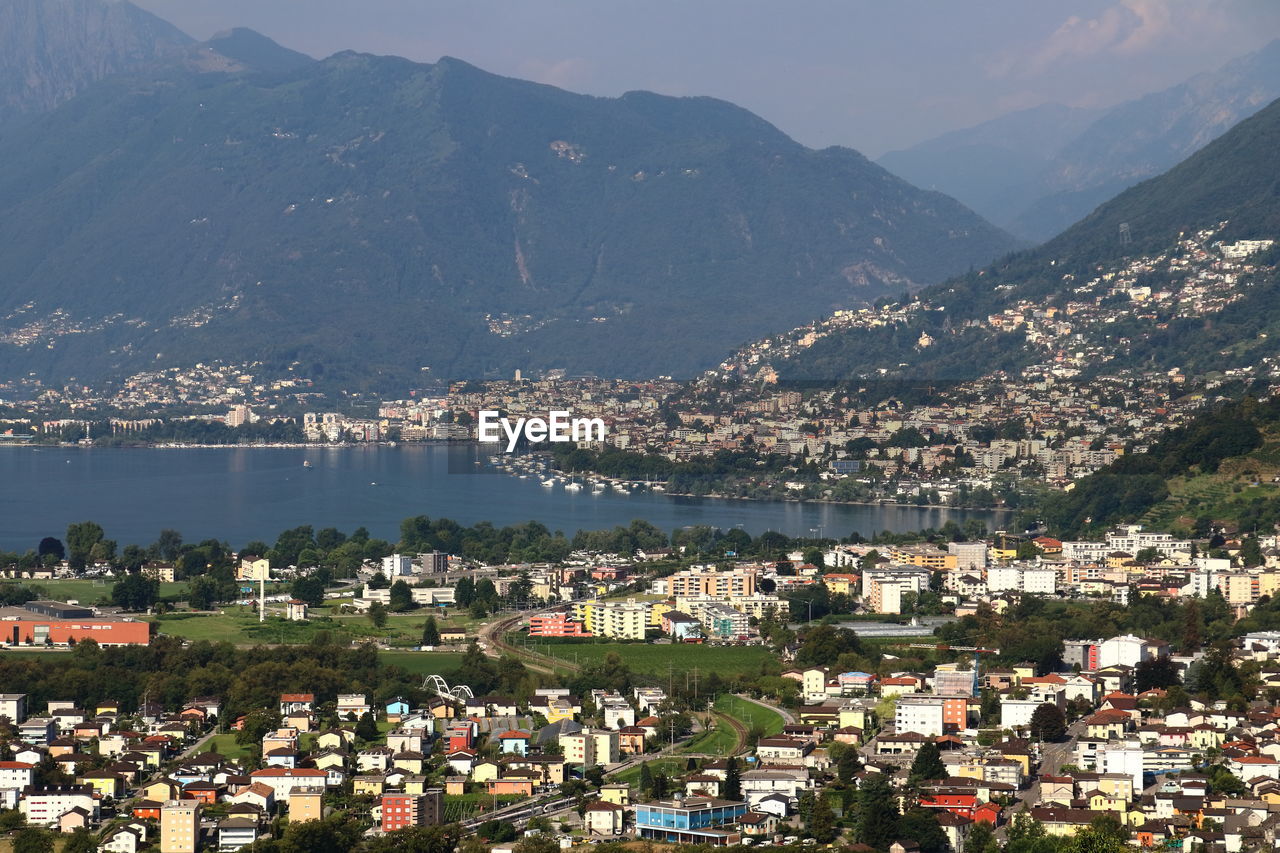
[
  {"x": 464, "y": 592},
  {"x": 981, "y": 839},
  {"x": 822, "y": 821},
  {"x": 877, "y": 823},
  {"x": 430, "y": 632},
  {"x": 378, "y": 614},
  {"x": 80, "y": 841},
  {"x": 169, "y": 546},
  {"x": 1156, "y": 672},
  {"x": 1104, "y": 834},
  {"x": 847, "y": 766},
  {"x": 367, "y": 727},
  {"x": 135, "y": 592},
  {"x": 401, "y": 597},
  {"x": 1048, "y": 722},
  {"x": 1251, "y": 553},
  {"x": 33, "y": 840},
  {"x": 51, "y": 547},
  {"x": 646, "y": 779},
  {"x": 921, "y": 826},
  {"x": 927, "y": 764},
  {"x": 81, "y": 537},
  {"x": 732, "y": 780},
  {"x": 308, "y": 589},
  {"x": 204, "y": 594}
]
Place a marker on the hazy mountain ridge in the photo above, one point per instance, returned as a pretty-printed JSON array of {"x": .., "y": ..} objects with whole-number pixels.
[
  {"x": 1039, "y": 173},
  {"x": 369, "y": 216}
]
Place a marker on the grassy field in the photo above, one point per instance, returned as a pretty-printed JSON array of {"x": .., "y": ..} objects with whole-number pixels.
[
  {"x": 423, "y": 663},
  {"x": 239, "y": 624},
  {"x": 94, "y": 591},
  {"x": 752, "y": 715},
  {"x": 226, "y": 746},
  {"x": 721, "y": 739},
  {"x": 669, "y": 766},
  {"x": 676, "y": 659}
]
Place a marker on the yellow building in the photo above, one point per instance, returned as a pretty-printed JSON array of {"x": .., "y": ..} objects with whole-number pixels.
[
  {"x": 368, "y": 786},
  {"x": 842, "y": 584},
  {"x": 617, "y": 793},
  {"x": 657, "y": 610},
  {"x": 857, "y": 718},
  {"x": 306, "y": 804}
]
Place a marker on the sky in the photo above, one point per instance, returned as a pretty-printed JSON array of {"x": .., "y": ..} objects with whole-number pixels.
[{"x": 874, "y": 75}]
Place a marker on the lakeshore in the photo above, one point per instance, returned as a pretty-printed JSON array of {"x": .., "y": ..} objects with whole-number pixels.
[{"x": 251, "y": 492}]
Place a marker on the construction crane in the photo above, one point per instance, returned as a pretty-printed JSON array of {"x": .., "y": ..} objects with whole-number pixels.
[{"x": 947, "y": 647}]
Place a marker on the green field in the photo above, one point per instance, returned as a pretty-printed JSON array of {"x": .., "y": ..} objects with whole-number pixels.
[
  {"x": 752, "y": 715},
  {"x": 720, "y": 739},
  {"x": 226, "y": 746},
  {"x": 423, "y": 663},
  {"x": 94, "y": 591},
  {"x": 661, "y": 660},
  {"x": 669, "y": 766},
  {"x": 240, "y": 625}
]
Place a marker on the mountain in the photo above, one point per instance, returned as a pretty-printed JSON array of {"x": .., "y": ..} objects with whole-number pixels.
[
  {"x": 995, "y": 166},
  {"x": 1234, "y": 180},
  {"x": 368, "y": 218},
  {"x": 1037, "y": 171},
  {"x": 52, "y": 49}
]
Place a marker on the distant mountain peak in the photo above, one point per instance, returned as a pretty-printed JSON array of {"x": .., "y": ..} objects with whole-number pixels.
[{"x": 253, "y": 51}]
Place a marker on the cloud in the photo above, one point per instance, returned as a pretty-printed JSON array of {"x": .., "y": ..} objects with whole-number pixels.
[{"x": 1127, "y": 28}]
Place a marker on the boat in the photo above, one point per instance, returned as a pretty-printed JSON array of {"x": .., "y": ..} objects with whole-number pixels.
[
  {"x": 573, "y": 487},
  {"x": 597, "y": 488},
  {"x": 550, "y": 483},
  {"x": 306, "y": 463}
]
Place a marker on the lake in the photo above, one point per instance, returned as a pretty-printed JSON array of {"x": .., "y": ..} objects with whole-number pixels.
[{"x": 239, "y": 494}]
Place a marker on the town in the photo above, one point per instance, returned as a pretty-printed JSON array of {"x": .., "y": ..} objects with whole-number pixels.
[{"x": 890, "y": 695}]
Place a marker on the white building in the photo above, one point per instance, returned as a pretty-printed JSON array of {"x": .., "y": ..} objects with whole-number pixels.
[
  {"x": 1016, "y": 713},
  {"x": 1127, "y": 650},
  {"x": 920, "y": 714},
  {"x": 1123, "y": 758}
]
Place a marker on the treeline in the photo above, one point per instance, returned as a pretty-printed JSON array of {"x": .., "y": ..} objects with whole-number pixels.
[{"x": 186, "y": 432}]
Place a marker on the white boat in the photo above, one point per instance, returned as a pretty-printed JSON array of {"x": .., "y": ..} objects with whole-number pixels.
[
  {"x": 549, "y": 483},
  {"x": 573, "y": 487},
  {"x": 597, "y": 488}
]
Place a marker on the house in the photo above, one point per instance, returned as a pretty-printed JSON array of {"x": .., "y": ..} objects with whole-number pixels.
[
  {"x": 514, "y": 742},
  {"x": 602, "y": 818},
  {"x": 127, "y": 838},
  {"x": 758, "y": 824},
  {"x": 237, "y": 832},
  {"x": 291, "y": 703},
  {"x": 352, "y": 706},
  {"x": 256, "y": 794}
]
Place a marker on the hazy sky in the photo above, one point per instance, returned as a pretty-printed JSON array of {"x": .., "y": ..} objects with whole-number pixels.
[{"x": 871, "y": 74}]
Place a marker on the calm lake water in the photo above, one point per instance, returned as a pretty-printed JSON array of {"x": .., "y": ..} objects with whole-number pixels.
[{"x": 241, "y": 494}]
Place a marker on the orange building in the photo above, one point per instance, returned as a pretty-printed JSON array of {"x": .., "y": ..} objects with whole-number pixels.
[{"x": 54, "y": 622}]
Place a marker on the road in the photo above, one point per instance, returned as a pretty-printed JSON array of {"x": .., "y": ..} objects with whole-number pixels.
[{"x": 1052, "y": 757}]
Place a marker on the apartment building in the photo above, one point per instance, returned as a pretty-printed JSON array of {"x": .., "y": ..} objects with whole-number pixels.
[{"x": 180, "y": 826}]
